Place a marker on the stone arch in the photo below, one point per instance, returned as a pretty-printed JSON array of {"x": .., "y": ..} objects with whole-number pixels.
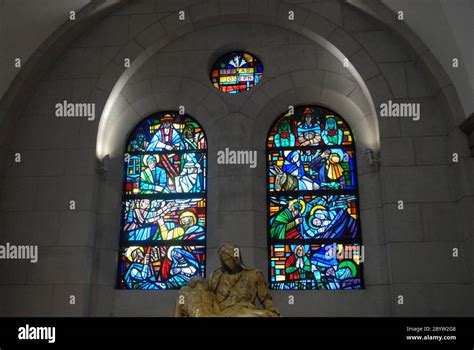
[
  {"x": 266, "y": 116},
  {"x": 373, "y": 79},
  {"x": 267, "y": 12},
  {"x": 364, "y": 97},
  {"x": 368, "y": 63}
]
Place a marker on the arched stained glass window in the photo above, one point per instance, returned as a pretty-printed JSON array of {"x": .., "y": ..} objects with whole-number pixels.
[
  {"x": 236, "y": 72},
  {"x": 163, "y": 237},
  {"x": 314, "y": 237}
]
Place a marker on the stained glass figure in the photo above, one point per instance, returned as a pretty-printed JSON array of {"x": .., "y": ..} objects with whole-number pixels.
[
  {"x": 166, "y": 173},
  {"x": 159, "y": 267},
  {"x": 310, "y": 126},
  {"x": 311, "y": 169},
  {"x": 162, "y": 219},
  {"x": 313, "y": 209},
  {"x": 322, "y": 217},
  {"x": 236, "y": 72},
  {"x": 315, "y": 266},
  {"x": 164, "y": 203}
]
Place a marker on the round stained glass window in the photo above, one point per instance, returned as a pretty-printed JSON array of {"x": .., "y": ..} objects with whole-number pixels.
[{"x": 236, "y": 72}]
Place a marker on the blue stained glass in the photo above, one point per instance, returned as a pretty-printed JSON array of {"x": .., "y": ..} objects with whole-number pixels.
[
  {"x": 316, "y": 266},
  {"x": 159, "y": 267},
  {"x": 312, "y": 202},
  {"x": 311, "y": 169},
  {"x": 164, "y": 203},
  {"x": 323, "y": 217},
  {"x": 159, "y": 219}
]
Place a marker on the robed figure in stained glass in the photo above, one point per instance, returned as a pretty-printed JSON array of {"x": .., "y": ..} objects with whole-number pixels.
[
  {"x": 189, "y": 178},
  {"x": 294, "y": 166},
  {"x": 188, "y": 228},
  {"x": 284, "y": 137},
  {"x": 309, "y": 131},
  {"x": 179, "y": 267},
  {"x": 331, "y": 135},
  {"x": 153, "y": 178},
  {"x": 140, "y": 273},
  {"x": 312, "y": 201},
  {"x": 191, "y": 139},
  {"x": 284, "y": 224},
  {"x": 298, "y": 266},
  {"x": 163, "y": 232},
  {"x": 167, "y": 137},
  {"x": 332, "y": 222}
]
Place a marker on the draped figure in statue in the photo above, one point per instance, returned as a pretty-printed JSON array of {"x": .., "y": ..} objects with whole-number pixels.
[{"x": 233, "y": 290}]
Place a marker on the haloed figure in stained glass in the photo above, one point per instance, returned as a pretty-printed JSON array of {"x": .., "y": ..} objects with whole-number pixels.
[
  {"x": 309, "y": 131},
  {"x": 189, "y": 178},
  {"x": 188, "y": 228},
  {"x": 313, "y": 217},
  {"x": 315, "y": 266},
  {"x": 333, "y": 273},
  {"x": 189, "y": 224},
  {"x": 311, "y": 169},
  {"x": 328, "y": 165},
  {"x": 312, "y": 201},
  {"x": 298, "y": 266},
  {"x": 294, "y": 166},
  {"x": 163, "y": 233},
  {"x": 153, "y": 178},
  {"x": 179, "y": 267},
  {"x": 166, "y": 137},
  {"x": 331, "y": 221},
  {"x": 285, "y": 223},
  {"x": 139, "y": 216},
  {"x": 140, "y": 273}
]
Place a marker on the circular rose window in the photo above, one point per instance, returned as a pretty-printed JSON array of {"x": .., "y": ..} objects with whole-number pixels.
[{"x": 236, "y": 72}]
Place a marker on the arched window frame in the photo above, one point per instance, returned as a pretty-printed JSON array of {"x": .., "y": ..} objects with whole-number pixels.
[
  {"x": 176, "y": 238},
  {"x": 271, "y": 241}
]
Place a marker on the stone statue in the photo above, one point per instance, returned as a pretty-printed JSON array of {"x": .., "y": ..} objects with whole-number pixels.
[
  {"x": 232, "y": 291},
  {"x": 196, "y": 300}
]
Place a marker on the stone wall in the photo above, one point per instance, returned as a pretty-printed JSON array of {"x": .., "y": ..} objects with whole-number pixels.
[{"x": 408, "y": 252}]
